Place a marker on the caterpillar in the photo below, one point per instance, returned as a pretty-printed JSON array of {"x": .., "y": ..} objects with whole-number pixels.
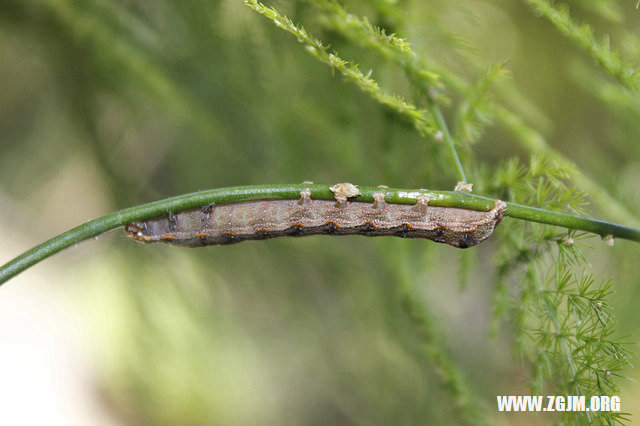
[{"x": 257, "y": 220}]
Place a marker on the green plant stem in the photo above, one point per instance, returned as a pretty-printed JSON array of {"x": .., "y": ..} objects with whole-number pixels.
[
  {"x": 446, "y": 136},
  {"x": 142, "y": 212}
]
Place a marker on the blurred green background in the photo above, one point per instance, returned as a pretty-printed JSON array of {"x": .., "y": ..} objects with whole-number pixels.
[{"x": 110, "y": 103}]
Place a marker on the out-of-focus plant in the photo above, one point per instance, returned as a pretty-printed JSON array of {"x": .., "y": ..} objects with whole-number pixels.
[{"x": 554, "y": 309}]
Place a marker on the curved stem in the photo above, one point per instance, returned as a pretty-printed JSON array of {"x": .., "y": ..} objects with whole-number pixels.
[{"x": 142, "y": 212}]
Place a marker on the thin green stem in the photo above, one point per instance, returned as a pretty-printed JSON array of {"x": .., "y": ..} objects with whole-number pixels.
[
  {"x": 142, "y": 212},
  {"x": 446, "y": 136}
]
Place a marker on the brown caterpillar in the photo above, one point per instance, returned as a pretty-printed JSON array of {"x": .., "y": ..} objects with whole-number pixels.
[{"x": 257, "y": 220}]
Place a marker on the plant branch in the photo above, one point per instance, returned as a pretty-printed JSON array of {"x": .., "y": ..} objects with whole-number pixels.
[
  {"x": 420, "y": 118},
  {"x": 397, "y": 50},
  {"x": 142, "y": 212},
  {"x": 446, "y": 136}
]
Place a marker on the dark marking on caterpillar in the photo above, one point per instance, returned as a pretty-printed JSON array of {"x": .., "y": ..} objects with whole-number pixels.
[
  {"x": 173, "y": 220},
  {"x": 296, "y": 228},
  {"x": 257, "y": 220},
  {"x": 206, "y": 210},
  {"x": 368, "y": 228}
]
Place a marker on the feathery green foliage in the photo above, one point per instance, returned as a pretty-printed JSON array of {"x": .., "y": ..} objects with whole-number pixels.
[
  {"x": 563, "y": 328},
  {"x": 476, "y": 110},
  {"x": 398, "y": 51},
  {"x": 391, "y": 47},
  {"x": 582, "y": 34},
  {"x": 421, "y": 119}
]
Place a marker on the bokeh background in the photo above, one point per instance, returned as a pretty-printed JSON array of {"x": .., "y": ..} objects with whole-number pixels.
[{"x": 106, "y": 104}]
